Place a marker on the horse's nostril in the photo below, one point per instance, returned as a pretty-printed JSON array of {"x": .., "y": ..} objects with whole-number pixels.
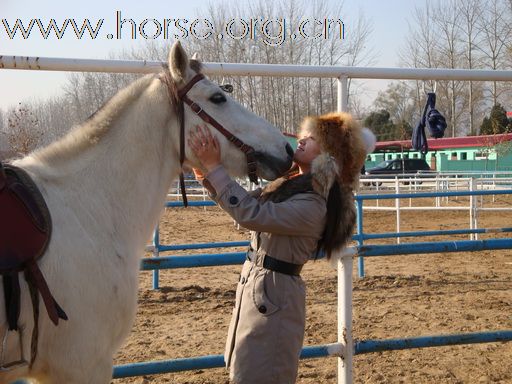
[{"x": 289, "y": 150}]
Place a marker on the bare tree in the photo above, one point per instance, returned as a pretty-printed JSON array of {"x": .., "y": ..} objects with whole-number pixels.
[
  {"x": 447, "y": 21},
  {"x": 55, "y": 117},
  {"x": 4, "y": 146},
  {"x": 23, "y": 132},
  {"x": 397, "y": 100},
  {"x": 421, "y": 43},
  {"x": 508, "y": 94},
  {"x": 2, "y": 122},
  {"x": 459, "y": 34},
  {"x": 470, "y": 12},
  {"x": 420, "y": 50},
  {"x": 358, "y": 53},
  {"x": 496, "y": 30},
  {"x": 284, "y": 101}
]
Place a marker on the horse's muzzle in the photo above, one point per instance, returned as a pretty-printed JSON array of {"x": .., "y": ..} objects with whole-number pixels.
[{"x": 271, "y": 167}]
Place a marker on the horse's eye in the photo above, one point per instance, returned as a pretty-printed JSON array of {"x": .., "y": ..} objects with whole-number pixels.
[{"x": 218, "y": 98}]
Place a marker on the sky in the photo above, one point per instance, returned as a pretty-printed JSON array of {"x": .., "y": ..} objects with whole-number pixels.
[{"x": 389, "y": 20}]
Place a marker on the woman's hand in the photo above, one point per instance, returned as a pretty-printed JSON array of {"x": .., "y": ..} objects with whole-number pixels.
[
  {"x": 205, "y": 146},
  {"x": 199, "y": 175}
]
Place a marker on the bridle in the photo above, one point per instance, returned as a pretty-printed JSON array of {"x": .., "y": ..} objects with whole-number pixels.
[{"x": 183, "y": 98}]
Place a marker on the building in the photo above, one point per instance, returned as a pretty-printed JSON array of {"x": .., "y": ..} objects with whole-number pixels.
[{"x": 470, "y": 153}]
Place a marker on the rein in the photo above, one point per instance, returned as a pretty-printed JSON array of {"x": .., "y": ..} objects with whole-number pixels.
[{"x": 183, "y": 98}]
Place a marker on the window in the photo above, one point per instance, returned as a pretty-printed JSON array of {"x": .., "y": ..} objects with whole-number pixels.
[
  {"x": 463, "y": 156},
  {"x": 415, "y": 156},
  {"x": 390, "y": 157},
  {"x": 396, "y": 165}
]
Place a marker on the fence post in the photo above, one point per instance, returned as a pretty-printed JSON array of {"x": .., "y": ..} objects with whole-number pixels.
[
  {"x": 437, "y": 189},
  {"x": 156, "y": 252},
  {"x": 397, "y": 207},
  {"x": 494, "y": 188},
  {"x": 472, "y": 205},
  {"x": 377, "y": 184},
  {"x": 345, "y": 338},
  {"x": 359, "y": 223},
  {"x": 342, "y": 102},
  {"x": 475, "y": 208},
  {"x": 411, "y": 187}
]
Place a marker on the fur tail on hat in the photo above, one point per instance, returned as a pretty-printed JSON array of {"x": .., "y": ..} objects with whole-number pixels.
[{"x": 369, "y": 139}]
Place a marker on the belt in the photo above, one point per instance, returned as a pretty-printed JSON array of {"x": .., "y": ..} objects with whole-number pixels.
[{"x": 280, "y": 266}]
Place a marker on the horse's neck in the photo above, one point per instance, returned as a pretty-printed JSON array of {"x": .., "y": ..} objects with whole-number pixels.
[{"x": 120, "y": 182}]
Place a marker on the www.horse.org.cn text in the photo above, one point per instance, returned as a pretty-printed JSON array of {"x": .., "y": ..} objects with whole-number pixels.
[{"x": 272, "y": 31}]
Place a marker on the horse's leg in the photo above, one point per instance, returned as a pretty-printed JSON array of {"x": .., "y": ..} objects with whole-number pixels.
[
  {"x": 74, "y": 357},
  {"x": 99, "y": 374}
]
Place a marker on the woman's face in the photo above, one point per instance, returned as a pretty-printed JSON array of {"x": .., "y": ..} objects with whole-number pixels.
[{"x": 307, "y": 150}]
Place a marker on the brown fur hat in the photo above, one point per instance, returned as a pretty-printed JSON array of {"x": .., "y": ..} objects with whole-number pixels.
[{"x": 344, "y": 145}]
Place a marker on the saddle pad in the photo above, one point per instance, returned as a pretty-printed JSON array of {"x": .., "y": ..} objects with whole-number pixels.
[
  {"x": 25, "y": 229},
  {"x": 24, "y": 221}
]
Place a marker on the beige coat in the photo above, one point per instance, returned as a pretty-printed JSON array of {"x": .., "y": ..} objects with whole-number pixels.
[{"x": 267, "y": 327}]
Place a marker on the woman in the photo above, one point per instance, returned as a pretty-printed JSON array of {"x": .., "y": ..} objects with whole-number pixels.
[{"x": 292, "y": 219}]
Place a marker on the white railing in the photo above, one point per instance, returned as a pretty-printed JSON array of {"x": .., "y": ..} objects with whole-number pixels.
[
  {"x": 442, "y": 182},
  {"x": 236, "y": 69}
]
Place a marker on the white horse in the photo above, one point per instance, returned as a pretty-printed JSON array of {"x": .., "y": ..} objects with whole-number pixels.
[{"x": 105, "y": 184}]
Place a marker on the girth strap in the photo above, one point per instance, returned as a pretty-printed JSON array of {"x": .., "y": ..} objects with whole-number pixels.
[{"x": 11, "y": 283}]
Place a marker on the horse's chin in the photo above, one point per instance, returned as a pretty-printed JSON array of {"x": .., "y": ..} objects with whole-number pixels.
[
  {"x": 270, "y": 168},
  {"x": 267, "y": 174}
]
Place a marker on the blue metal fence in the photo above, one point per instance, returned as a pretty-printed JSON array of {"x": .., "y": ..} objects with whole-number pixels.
[
  {"x": 360, "y": 347},
  {"x": 363, "y": 250}
]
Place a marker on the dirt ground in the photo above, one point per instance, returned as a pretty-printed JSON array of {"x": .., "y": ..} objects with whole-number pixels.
[{"x": 414, "y": 295}]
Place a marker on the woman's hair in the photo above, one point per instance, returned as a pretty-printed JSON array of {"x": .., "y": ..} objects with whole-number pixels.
[{"x": 340, "y": 220}]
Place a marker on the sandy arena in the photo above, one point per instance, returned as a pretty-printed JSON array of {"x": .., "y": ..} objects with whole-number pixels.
[{"x": 413, "y": 295}]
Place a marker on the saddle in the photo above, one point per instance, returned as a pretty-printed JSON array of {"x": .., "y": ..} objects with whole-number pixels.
[{"x": 25, "y": 230}]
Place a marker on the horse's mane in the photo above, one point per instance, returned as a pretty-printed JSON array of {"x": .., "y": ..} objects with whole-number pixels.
[{"x": 88, "y": 133}]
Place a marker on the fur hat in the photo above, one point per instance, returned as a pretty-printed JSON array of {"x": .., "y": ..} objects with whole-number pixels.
[{"x": 344, "y": 145}]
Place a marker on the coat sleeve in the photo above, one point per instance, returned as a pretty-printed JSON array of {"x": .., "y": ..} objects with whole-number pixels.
[{"x": 300, "y": 215}]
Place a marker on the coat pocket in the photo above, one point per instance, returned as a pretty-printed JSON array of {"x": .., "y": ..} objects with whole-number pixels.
[{"x": 259, "y": 295}]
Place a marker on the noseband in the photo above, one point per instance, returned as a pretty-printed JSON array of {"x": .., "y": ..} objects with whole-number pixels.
[{"x": 247, "y": 149}]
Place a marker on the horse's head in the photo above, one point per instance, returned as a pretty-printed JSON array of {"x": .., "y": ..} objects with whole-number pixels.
[{"x": 272, "y": 152}]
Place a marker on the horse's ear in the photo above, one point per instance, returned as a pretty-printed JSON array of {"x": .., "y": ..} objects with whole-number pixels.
[
  {"x": 195, "y": 56},
  {"x": 178, "y": 63}
]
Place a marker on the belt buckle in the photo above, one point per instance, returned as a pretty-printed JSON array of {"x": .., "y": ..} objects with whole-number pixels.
[{"x": 196, "y": 108}]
